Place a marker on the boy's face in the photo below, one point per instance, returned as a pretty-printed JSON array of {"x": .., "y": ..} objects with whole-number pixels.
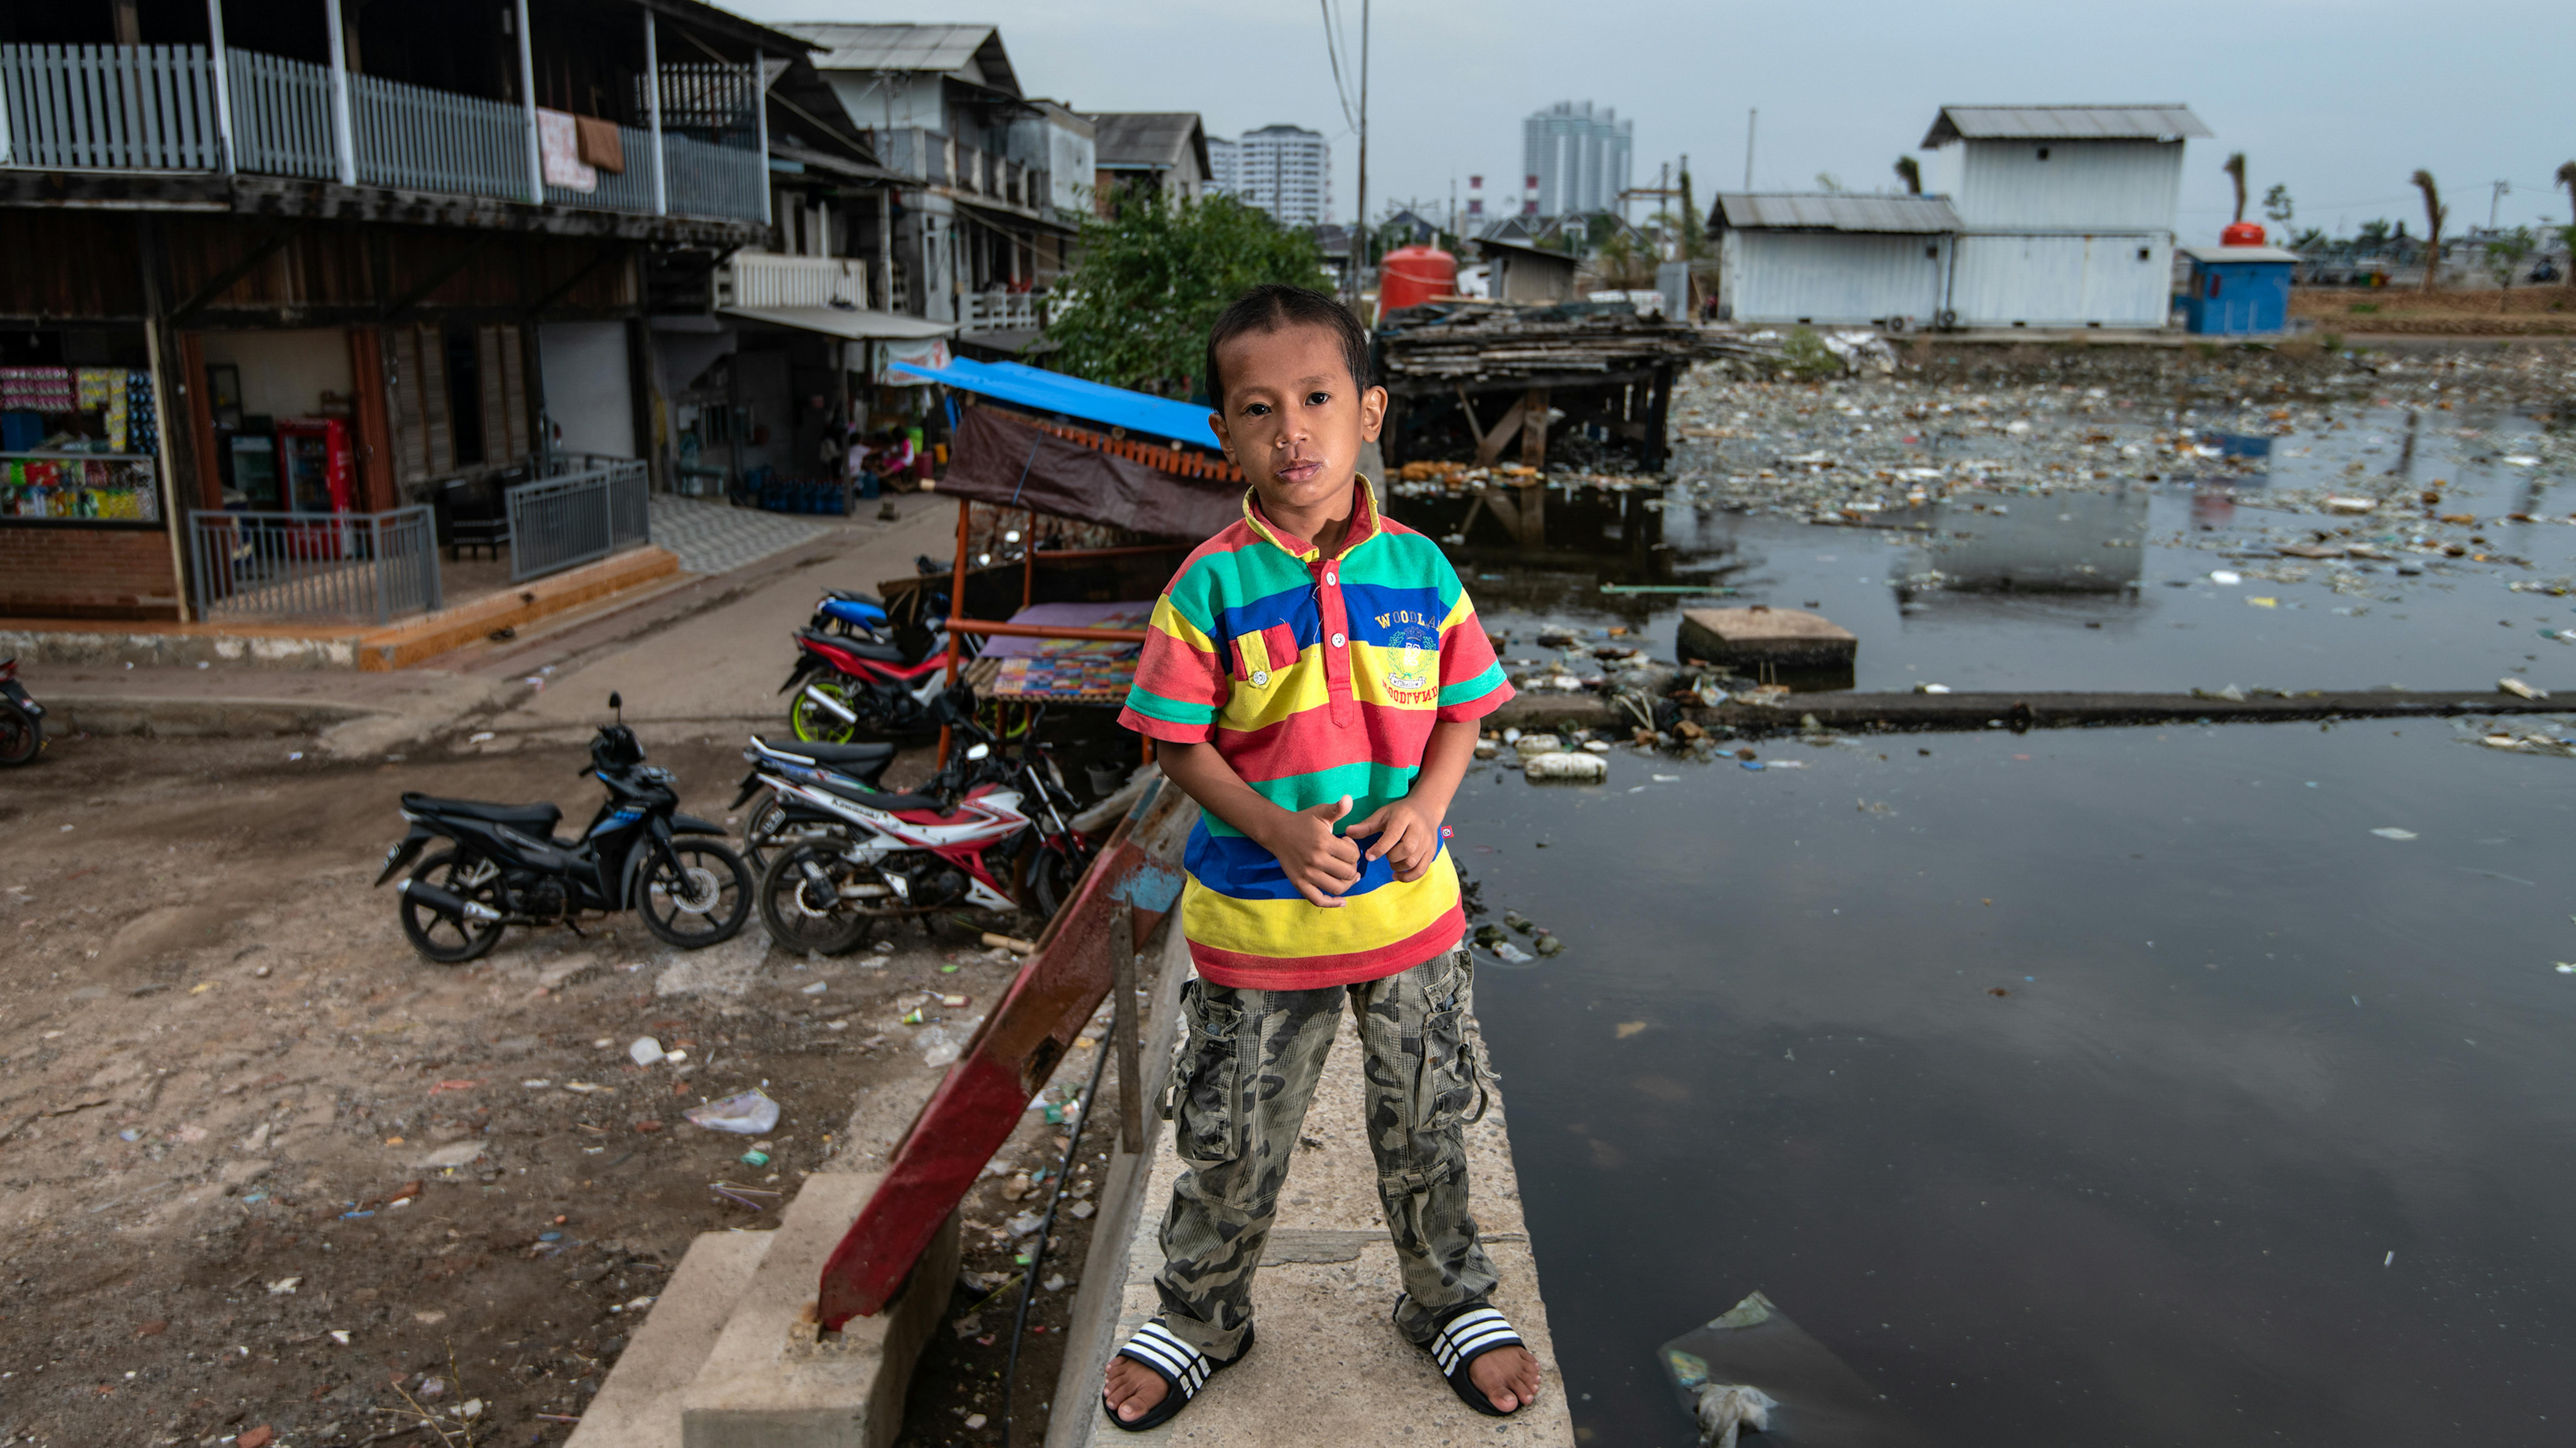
[{"x": 1293, "y": 418}]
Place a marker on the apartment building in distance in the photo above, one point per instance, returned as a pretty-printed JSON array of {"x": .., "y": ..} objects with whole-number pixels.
[{"x": 1286, "y": 171}]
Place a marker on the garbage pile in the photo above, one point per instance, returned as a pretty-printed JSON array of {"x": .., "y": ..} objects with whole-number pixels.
[{"x": 1866, "y": 449}]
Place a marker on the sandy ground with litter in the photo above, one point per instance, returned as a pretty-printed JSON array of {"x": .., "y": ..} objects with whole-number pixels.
[{"x": 263, "y": 1168}]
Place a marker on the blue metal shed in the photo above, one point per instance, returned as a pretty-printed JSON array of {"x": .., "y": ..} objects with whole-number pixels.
[{"x": 2238, "y": 290}]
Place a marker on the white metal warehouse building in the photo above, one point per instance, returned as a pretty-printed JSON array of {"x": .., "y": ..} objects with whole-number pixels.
[
  {"x": 2044, "y": 216},
  {"x": 1833, "y": 259},
  {"x": 2066, "y": 212}
]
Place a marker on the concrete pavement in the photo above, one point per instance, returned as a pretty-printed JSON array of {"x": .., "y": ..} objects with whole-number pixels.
[{"x": 724, "y": 663}]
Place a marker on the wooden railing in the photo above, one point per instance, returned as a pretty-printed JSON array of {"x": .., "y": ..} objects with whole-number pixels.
[
  {"x": 157, "y": 108},
  {"x": 759, "y": 279}
]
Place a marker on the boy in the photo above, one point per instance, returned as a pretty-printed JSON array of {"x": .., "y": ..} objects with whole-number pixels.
[{"x": 1315, "y": 666}]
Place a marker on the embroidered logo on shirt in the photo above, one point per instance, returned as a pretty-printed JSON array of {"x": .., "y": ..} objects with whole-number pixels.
[{"x": 1412, "y": 655}]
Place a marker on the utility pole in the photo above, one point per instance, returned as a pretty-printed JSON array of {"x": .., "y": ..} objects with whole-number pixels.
[
  {"x": 1750, "y": 116},
  {"x": 1360, "y": 229}
]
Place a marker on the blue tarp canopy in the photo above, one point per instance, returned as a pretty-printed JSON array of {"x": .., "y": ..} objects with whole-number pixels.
[{"x": 1147, "y": 418}]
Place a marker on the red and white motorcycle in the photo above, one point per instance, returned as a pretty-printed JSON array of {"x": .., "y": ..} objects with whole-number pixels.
[{"x": 843, "y": 856}]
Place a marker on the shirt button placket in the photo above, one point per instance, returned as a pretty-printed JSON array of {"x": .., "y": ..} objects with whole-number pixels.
[{"x": 1337, "y": 658}]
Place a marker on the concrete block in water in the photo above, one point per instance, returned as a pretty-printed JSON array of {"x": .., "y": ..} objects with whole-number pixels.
[
  {"x": 773, "y": 1382},
  {"x": 1747, "y": 638}
]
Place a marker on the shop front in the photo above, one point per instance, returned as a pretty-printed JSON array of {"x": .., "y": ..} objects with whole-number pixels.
[{"x": 84, "y": 501}]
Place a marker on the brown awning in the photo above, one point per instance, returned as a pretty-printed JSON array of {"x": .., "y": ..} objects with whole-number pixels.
[{"x": 999, "y": 459}]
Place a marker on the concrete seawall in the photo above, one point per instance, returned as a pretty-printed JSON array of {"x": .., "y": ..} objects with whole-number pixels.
[{"x": 1330, "y": 1368}]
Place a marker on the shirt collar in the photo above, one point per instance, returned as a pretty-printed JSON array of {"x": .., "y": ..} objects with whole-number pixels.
[{"x": 1363, "y": 524}]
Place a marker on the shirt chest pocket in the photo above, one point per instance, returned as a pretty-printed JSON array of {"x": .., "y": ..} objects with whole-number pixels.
[{"x": 1263, "y": 658}]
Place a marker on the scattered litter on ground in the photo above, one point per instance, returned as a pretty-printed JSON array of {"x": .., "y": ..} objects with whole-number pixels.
[{"x": 747, "y": 1113}]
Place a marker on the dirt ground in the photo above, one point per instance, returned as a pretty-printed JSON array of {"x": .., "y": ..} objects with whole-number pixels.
[
  {"x": 267, "y": 1177},
  {"x": 2518, "y": 311}
]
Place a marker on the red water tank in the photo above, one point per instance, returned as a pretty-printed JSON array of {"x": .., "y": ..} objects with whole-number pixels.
[
  {"x": 1412, "y": 275},
  {"x": 2241, "y": 233}
]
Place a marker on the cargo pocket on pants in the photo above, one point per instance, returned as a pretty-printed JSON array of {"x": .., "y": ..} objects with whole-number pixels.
[
  {"x": 1453, "y": 1050},
  {"x": 1200, "y": 1098}
]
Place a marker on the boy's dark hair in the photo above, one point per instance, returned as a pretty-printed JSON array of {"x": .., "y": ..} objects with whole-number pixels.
[{"x": 1273, "y": 305}]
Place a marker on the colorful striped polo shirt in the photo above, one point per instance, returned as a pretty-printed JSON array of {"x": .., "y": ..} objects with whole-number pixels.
[{"x": 1315, "y": 678}]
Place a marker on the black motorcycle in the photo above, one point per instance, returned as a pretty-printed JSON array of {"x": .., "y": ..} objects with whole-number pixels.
[
  {"x": 508, "y": 867},
  {"x": 22, "y": 720}
]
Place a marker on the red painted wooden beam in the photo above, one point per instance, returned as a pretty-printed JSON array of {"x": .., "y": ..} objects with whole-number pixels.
[{"x": 972, "y": 1113}]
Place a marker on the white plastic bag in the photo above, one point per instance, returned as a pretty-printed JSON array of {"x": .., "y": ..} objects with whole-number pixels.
[{"x": 751, "y": 1113}]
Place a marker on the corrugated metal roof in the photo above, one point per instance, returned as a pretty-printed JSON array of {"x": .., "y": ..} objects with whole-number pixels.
[
  {"x": 944, "y": 49},
  {"x": 1141, "y": 138},
  {"x": 2063, "y": 123},
  {"x": 1836, "y": 211}
]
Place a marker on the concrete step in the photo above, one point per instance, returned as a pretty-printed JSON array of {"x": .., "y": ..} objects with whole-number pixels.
[
  {"x": 731, "y": 1358},
  {"x": 639, "y": 1406},
  {"x": 774, "y": 1381}
]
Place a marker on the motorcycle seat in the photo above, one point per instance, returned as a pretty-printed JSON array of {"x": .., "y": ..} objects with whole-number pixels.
[
  {"x": 878, "y": 799},
  {"x": 836, "y": 755},
  {"x": 539, "y": 819},
  {"x": 852, "y": 595},
  {"x": 857, "y": 648}
]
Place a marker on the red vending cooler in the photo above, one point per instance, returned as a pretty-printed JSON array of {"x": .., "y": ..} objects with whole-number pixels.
[
  {"x": 313, "y": 464},
  {"x": 315, "y": 480}
]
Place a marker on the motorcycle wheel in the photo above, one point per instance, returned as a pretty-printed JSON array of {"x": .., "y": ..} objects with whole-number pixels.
[
  {"x": 696, "y": 894},
  {"x": 1053, "y": 876},
  {"x": 815, "y": 724},
  {"x": 803, "y": 913},
  {"x": 442, "y": 938},
  {"x": 21, "y": 734}
]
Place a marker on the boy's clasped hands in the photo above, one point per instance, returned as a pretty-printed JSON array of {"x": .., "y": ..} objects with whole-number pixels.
[{"x": 1322, "y": 864}]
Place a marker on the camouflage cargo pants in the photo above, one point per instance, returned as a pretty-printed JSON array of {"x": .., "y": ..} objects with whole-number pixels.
[{"x": 1239, "y": 1090}]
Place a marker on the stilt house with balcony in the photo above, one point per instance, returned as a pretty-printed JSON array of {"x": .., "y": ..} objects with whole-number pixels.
[
  {"x": 297, "y": 292},
  {"x": 990, "y": 184}
]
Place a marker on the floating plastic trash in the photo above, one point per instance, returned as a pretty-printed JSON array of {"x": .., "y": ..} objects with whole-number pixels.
[
  {"x": 1580, "y": 768},
  {"x": 1752, "y": 1367}
]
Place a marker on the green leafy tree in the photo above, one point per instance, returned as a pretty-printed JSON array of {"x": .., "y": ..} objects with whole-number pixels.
[
  {"x": 2277, "y": 206},
  {"x": 1150, "y": 280},
  {"x": 2505, "y": 251},
  {"x": 2373, "y": 234}
]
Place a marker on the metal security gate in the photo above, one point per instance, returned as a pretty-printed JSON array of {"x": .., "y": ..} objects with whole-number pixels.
[
  {"x": 376, "y": 566},
  {"x": 579, "y": 518}
]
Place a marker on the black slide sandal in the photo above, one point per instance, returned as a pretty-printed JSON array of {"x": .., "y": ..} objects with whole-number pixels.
[
  {"x": 1183, "y": 1369},
  {"x": 1468, "y": 1332}
]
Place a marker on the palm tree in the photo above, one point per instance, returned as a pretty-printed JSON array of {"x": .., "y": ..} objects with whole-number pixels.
[
  {"x": 2235, "y": 169},
  {"x": 2567, "y": 178},
  {"x": 2435, "y": 213},
  {"x": 1912, "y": 174}
]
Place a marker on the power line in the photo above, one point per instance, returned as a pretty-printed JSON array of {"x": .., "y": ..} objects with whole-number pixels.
[{"x": 1333, "y": 52}]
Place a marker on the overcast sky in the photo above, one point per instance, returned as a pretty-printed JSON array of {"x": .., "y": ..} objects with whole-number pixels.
[{"x": 2340, "y": 99}]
